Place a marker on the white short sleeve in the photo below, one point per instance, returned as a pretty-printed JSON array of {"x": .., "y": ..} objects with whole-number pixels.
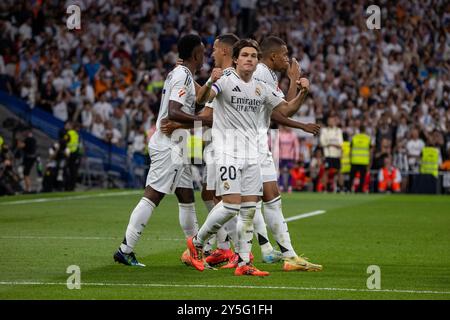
[
  {"x": 272, "y": 99},
  {"x": 218, "y": 86},
  {"x": 180, "y": 82}
]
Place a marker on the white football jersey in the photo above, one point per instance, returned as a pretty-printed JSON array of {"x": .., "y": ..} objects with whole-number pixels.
[
  {"x": 265, "y": 74},
  {"x": 237, "y": 114},
  {"x": 179, "y": 86}
]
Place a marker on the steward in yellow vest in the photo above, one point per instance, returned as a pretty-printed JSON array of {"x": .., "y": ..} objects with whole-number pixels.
[
  {"x": 345, "y": 160},
  {"x": 359, "y": 157},
  {"x": 430, "y": 161}
]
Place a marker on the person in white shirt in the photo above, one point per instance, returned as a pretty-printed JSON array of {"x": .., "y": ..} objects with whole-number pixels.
[
  {"x": 98, "y": 126},
  {"x": 103, "y": 108},
  {"x": 414, "y": 148},
  {"x": 331, "y": 140}
]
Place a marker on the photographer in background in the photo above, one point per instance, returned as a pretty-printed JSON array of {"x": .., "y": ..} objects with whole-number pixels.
[
  {"x": 28, "y": 146},
  {"x": 9, "y": 179}
]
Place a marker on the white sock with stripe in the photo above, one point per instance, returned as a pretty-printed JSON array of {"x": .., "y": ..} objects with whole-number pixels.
[
  {"x": 138, "y": 220},
  {"x": 188, "y": 219},
  {"x": 209, "y": 204},
  {"x": 261, "y": 231},
  {"x": 245, "y": 231},
  {"x": 278, "y": 226},
  {"x": 219, "y": 215}
]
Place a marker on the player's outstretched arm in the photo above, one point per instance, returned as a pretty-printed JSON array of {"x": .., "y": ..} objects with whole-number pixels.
[
  {"x": 281, "y": 119},
  {"x": 291, "y": 107},
  {"x": 205, "y": 94}
]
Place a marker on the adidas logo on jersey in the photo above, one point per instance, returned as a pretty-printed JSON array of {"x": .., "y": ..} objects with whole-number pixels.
[{"x": 236, "y": 89}]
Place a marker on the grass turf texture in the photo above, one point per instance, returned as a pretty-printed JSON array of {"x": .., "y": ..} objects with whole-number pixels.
[{"x": 407, "y": 236}]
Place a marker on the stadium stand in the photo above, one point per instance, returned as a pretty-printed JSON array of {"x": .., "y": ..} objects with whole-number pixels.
[{"x": 108, "y": 75}]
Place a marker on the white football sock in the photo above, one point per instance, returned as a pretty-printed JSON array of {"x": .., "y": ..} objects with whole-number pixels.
[
  {"x": 188, "y": 219},
  {"x": 261, "y": 231},
  {"x": 278, "y": 226},
  {"x": 209, "y": 204},
  {"x": 245, "y": 231},
  {"x": 231, "y": 229},
  {"x": 219, "y": 215},
  {"x": 138, "y": 220},
  {"x": 223, "y": 241}
]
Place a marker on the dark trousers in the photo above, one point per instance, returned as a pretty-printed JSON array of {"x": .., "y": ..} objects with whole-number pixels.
[
  {"x": 73, "y": 164},
  {"x": 362, "y": 169}
]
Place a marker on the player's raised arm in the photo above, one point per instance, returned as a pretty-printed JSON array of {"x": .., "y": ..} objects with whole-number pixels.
[
  {"x": 281, "y": 119},
  {"x": 205, "y": 94},
  {"x": 293, "y": 74},
  {"x": 291, "y": 107}
]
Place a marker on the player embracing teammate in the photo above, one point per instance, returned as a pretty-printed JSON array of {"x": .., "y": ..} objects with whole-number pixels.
[
  {"x": 241, "y": 102},
  {"x": 243, "y": 166}
]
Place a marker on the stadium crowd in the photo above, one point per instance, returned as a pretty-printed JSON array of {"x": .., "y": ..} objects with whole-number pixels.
[{"x": 393, "y": 83}]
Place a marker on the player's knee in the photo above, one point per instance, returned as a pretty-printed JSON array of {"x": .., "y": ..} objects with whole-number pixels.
[
  {"x": 270, "y": 192},
  {"x": 153, "y": 195},
  {"x": 232, "y": 208},
  {"x": 247, "y": 212},
  {"x": 185, "y": 195}
]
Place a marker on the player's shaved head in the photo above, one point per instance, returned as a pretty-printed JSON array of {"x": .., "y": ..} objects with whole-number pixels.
[
  {"x": 275, "y": 54},
  {"x": 187, "y": 44},
  {"x": 271, "y": 44},
  {"x": 228, "y": 39}
]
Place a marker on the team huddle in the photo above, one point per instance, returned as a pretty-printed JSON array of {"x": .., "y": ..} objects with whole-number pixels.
[{"x": 240, "y": 99}]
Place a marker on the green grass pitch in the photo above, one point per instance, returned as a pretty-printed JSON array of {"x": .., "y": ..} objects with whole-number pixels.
[{"x": 407, "y": 236}]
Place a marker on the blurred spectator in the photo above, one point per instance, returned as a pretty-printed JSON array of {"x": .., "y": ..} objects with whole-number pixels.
[
  {"x": 289, "y": 154},
  {"x": 61, "y": 109},
  {"x": 98, "y": 127},
  {"x": 29, "y": 153},
  {"x": 112, "y": 135},
  {"x": 299, "y": 176},
  {"x": 331, "y": 140},
  {"x": 380, "y": 155},
  {"x": 317, "y": 170},
  {"x": 389, "y": 177},
  {"x": 138, "y": 141},
  {"x": 9, "y": 179},
  {"x": 414, "y": 148},
  {"x": 103, "y": 108}
]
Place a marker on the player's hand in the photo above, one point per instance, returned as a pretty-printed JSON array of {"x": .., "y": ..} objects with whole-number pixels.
[
  {"x": 167, "y": 126},
  {"x": 303, "y": 84},
  {"x": 312, "y": 128},
  {"x": 294, "y": 71},
  {"x": 179, "y": 62},
  {"x": 216, "y": 74}
]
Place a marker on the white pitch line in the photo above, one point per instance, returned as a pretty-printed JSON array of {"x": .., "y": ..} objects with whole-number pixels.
[
  {"x": 305, "y": 215},
  {"x": 87, "y": 196},
  {"x": 83, "y": 238},
  {"x": 162, "y": 285}
]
